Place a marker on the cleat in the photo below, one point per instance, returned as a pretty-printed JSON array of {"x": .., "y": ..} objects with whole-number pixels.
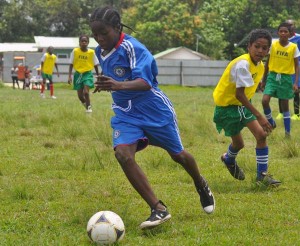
[
  {"x": 267, "y": 180},
  {"x": 295, "y": 117},
  {"x": 43, "y": 95},
  {"x": 234, "y": 169},
  {"x": 89, "y": 109},
  {"x": 53, "y": 97},
  {"x": 279, "y": 116},
  {"x": 207, "y": 199},
  {"x": 156, "y": 218}
]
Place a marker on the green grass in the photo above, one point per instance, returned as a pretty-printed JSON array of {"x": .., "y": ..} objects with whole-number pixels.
[{"x": 57, "y": 169}]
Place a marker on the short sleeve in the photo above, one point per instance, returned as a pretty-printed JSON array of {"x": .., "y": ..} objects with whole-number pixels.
[{"x": 240, "y": 74}]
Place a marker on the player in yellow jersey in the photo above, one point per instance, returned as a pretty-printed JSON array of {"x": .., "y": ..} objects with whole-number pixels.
[
  {"x": 83, "y": 60},
  {"x": 48, "y": 62},
  {"x": 281, "y": 64},
  {"x": 234, "y": 110}
]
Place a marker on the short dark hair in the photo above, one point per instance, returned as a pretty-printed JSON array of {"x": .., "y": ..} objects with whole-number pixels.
[
  {"x": 260, "y": 33},
  {"x": 84, "y": 36},
  {"x": 287, "y": 25}
]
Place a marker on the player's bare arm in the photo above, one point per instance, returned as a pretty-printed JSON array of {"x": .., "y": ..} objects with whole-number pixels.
[
  {"x": 105, "y": 83},
  {"x": 240, "y": 95}
]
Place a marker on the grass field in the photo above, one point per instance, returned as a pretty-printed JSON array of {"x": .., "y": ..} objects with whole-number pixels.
[{"x": 57, "y": 169}]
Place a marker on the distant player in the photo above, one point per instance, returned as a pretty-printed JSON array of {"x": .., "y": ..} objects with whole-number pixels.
[
  {"x": 234, "y": 110},
  {"x": 48, "y": 62},
  {"x": 83, "y": 60},
  {"x": 281, "y": 64}
]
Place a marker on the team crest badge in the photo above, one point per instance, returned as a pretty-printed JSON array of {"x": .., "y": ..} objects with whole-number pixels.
[
  {"x": 119, "y": 71},
  {"x": 117, "y": 133}
]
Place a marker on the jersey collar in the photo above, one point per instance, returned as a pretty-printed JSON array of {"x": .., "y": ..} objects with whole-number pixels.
[{"x": 120, "y": 40}]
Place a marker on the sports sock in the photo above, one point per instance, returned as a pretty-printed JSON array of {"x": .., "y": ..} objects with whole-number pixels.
[
  {"x": 230, "y": 155},
  {"x": 262, "y": 158},
  {"x": 51, "y": 89},
  {"x": 287, "y": 121},
  {"x": 268, "y": 114}
]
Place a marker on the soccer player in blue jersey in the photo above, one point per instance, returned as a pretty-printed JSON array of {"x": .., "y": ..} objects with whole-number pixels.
[{"x": 143, "y": 113}]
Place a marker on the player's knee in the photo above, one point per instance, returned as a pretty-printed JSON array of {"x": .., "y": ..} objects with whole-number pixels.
[{"x": 123, "y": 158}]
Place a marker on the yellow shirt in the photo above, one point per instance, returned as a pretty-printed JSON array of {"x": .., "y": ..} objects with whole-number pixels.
[
  {"x": 49, "y": 61},
  {"x": 281, "y": 58},
  {"x": 83, "y": 61},
  {"x": 240, "y": 72}
]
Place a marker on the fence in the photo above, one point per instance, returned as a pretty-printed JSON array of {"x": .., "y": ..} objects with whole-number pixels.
[{"x": 171, "y": 72}]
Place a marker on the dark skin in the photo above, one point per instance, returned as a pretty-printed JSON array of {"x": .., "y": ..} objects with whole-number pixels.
[{"x": 107, "y": 37}]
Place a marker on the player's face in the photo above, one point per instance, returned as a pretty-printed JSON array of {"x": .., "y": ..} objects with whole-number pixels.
[
  {"x": 83, "y": 43},
  {"x": 105, "y": 35},
  {"x": 284, "y": 33},
  {"x": 258, "y": 49}
]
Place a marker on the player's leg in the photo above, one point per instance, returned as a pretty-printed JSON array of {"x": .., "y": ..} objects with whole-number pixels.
[
  {"x": 43, "y": 85},
  {"x": 280, "y": 115},
  {"x": 229, "y": 157},
  {"x": 296, "y": 104},
  {"x": 262, "y": 154},
  {"x": 286, "y": 116},
  {"x": 86, "y": 92},
  {"x": 127, "y": 140},
  {"x": 188, "y": 162},
  {"x": 51, "y": 85},
  {"x": 267, "y": 109}
]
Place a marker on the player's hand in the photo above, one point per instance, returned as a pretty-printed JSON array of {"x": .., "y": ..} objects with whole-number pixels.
[
  {"x": 105, "y": 83},
  {"x": 295, "y": 87},
  {"x": 69, "y": 81},
  {"x": 265, "y": 124}
]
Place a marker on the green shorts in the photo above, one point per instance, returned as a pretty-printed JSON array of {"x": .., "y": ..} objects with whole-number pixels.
[
  {"x": 47, "y": 76},
  {"x": 232, "y": 119},
  {"x": 279, "y": 86},
  {"x": 83, "y": 79}
]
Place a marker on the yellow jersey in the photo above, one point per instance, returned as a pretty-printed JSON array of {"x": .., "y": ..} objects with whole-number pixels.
[
  {"x": 240, "y": 72},
  {"x": 281, "y": 59},
  {"x": 83, "y": 61},
  {"x": 49, "y": 62}
]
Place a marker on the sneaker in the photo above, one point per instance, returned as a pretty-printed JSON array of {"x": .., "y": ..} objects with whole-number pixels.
[
  {"x": 89, "y": 109},
  {"x": 234, "y": 169},
  {"x": 279, "y": 116},
  {"x": 267, "y": 180},
  {"x": 207, "y": 199},
  {"x": 53, "y": 97},
  {"x": 43, "y": 95},
  {"x": 156, "y": 218},
  {"x": 295, "y": 117}
]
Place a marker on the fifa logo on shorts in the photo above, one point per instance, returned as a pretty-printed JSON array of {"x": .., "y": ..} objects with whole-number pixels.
[
  {"x": 117, "y": 133},
  {"x": 119, "y": 71}
]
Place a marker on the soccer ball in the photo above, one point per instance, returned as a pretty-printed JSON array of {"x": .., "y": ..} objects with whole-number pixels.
[{"x": 105, "y": 227}]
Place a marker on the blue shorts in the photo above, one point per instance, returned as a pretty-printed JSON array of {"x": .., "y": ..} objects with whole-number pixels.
[{"x": 166, "y": 137}]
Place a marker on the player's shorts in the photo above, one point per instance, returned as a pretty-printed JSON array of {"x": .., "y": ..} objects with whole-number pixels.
[
  {"x": 279, "y": 86},
  {"x": 83, "y": 79},
  {"x": 166, "y": 137},
  {"x": 47, "y": 76},
  {"x": 232, "y": 119}
]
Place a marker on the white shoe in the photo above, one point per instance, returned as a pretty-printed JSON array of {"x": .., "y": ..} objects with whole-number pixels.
[
  {"x": 89, "y": 109},
  {"x": 42, "y": 95},
  {"x": 53, "y": 97}
]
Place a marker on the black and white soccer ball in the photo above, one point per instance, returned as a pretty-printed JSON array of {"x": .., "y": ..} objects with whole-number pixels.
[{"x": 105, "y": 227}]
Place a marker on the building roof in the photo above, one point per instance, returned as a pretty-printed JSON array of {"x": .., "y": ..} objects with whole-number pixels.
[
  {"x": 181, "y": 53},
  {"x": 26, "y": 47},
  {"x": 61, "y": 42}
]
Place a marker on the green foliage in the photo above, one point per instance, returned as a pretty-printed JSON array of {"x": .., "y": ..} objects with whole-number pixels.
[
  {"x": 160, "y": 24},
  {"x": 57, "y": 168}
]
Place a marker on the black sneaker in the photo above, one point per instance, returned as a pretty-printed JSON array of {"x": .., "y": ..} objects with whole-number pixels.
[
  {"x": 234, "y": 169},
  {"x": 207, "y": 199},
  {"x": 267, "y": 180},
  {"x": 156, "y": 218}
]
